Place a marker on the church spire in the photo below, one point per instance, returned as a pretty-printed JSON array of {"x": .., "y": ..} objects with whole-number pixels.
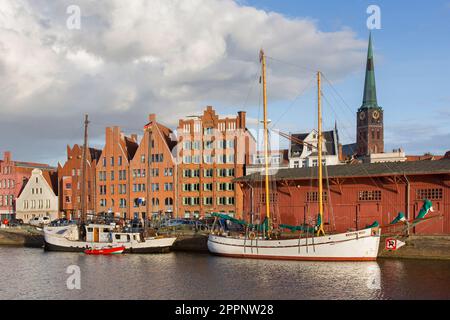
[{"x": 370, "y": 90}]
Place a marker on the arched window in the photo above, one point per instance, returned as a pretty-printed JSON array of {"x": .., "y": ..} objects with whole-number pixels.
[{"x": 168, "y": 201}]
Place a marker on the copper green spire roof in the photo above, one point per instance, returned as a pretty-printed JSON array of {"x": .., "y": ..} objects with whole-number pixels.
[{"x": 370, "y": 90}]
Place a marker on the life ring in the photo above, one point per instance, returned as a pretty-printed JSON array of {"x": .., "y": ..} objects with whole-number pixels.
[{"x": 252, "y": 235}]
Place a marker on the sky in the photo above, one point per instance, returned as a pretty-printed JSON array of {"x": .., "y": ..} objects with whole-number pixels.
[{"x": 174, "y": 57}]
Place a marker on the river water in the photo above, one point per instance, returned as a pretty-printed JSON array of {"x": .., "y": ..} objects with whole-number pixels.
[{"x": 35, "y": 274}]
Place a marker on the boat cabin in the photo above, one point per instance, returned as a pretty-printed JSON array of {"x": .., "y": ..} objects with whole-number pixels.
[
  {"x": 107, "y": 233},
  {"x": 99, "y": 232}
]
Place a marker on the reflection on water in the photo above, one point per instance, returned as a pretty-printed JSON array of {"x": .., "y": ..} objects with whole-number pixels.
[{"x": 34, "y": 274}]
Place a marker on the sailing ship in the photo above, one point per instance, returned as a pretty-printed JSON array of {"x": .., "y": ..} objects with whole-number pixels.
[
  {"x": 94, "y": 236},
  {"x": 360, "y": 245}
]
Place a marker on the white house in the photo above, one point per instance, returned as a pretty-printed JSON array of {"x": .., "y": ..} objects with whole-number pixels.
[
  {"x": 38, "y": 198},
  {"x": 306, "y": 155}
]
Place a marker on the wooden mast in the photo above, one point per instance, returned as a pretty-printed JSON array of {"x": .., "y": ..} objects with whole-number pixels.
[
  {"x": 149, "y": 168},
  {"x": 266, "y": 140},
  {"x": 320, "y": 231},
  {"x": 83, "y": 170}
]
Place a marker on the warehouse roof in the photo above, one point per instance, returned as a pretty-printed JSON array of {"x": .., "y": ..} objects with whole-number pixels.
[{"x": 357, "y": 170}]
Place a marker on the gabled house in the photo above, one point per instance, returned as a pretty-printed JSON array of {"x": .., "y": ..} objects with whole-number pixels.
[
  {"x": 306, "y": 155},
  {"x": 39, "y": 198},
  {"x": 113, "y": 173}
]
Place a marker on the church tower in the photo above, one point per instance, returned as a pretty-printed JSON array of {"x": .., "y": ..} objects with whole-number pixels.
[{"x": 370, "y": 127}]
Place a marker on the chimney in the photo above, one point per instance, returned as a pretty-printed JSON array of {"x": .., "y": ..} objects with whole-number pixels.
[
  {"x": 7, "y": 156},
  {"x": 152, "y": 117},
  {"x": 241, "y": 119},
  {"x": 341, "y": 156}
]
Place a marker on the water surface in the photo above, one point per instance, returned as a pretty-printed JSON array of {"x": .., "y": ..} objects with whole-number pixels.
[{"x": 35, "y": 274}]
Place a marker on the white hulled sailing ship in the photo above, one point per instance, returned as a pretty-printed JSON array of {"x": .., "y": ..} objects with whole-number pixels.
[{"x": 314, "y": 244}]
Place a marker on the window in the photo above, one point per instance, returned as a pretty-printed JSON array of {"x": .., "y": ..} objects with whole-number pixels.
[
  {"x": 430, "y": 194},
  {"x": 104, "y": 161},
  {"x": 187, "y": 159},
  {"x": 222, "y": 200},
  {"x": 168, "y": 186},
  {"x": 112, "y": 161},
  {"x": 207, "y": 158},
  {"x": 208, "y": 173},
  {"x": 122, "y": 188},
  {"x": 112, "y": 175},
  {"x": 196, "y": 159},
  {"x": 123, "y": 203},
  {"x": 155, "y": 187},
  {"x": 143, "y": 158},
  {"x": 68, "y": 199},
  {"x": 196, "y": 173},
  {"x": 208, "y": 201},
  {"x": 155, "y": 172},
  {"x": 208, "y": 131},
  {"x": 374, "y": 195},
  {"x": 168, "y": 172},
  {"x": 120, "y": 161},
  {"x": 273, "y": 197},
  {"x": 313, "y": 196},
  {"x": 186, "y": 173},
  {"x": 187, "y": 145},
  {"x": 208, "y": 187}
]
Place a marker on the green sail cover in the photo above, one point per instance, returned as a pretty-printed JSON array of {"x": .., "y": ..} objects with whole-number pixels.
[
  {"x": 304, "y": 228},
  {"x": 400, "y": 217},
  {"x": 426, "y": 208},
  {"x": 373, "y": 225},
  {"x": 260, "y": 227},
  {"x": 227, "y": 217}
]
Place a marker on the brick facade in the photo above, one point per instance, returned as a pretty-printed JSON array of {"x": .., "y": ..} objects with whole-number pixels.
[
  {"x": 113, "y": 173},
  {"x": 153, "y": 178},
  {"x": 211, "y": 152},
  {"x": 69, "y": 182}
]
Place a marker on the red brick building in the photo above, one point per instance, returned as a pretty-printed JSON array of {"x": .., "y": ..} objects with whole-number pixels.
[
  {"x": 69, "y": 182},
  {"x": 211, "y": 152},
  {"x": 13, "y": 177},
  {"x": 153, "y": 178},
  {"x": 113, "y": 173},
  {"x": 355, "y": 195}
]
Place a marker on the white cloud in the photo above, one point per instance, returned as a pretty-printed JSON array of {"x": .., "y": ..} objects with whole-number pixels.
[{"x": 165, "y": 56}]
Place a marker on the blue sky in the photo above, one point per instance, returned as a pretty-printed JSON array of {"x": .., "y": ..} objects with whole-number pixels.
[
  {"x": 412, "y": 61},
  {"x": 174, "y": 58}
]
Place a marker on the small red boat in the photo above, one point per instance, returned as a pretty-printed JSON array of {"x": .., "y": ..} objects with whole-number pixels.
[{"x": 105, "y": 251}]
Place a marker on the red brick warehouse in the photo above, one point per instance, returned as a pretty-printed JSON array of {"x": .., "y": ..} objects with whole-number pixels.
[{"x": 355, "y": 195}]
